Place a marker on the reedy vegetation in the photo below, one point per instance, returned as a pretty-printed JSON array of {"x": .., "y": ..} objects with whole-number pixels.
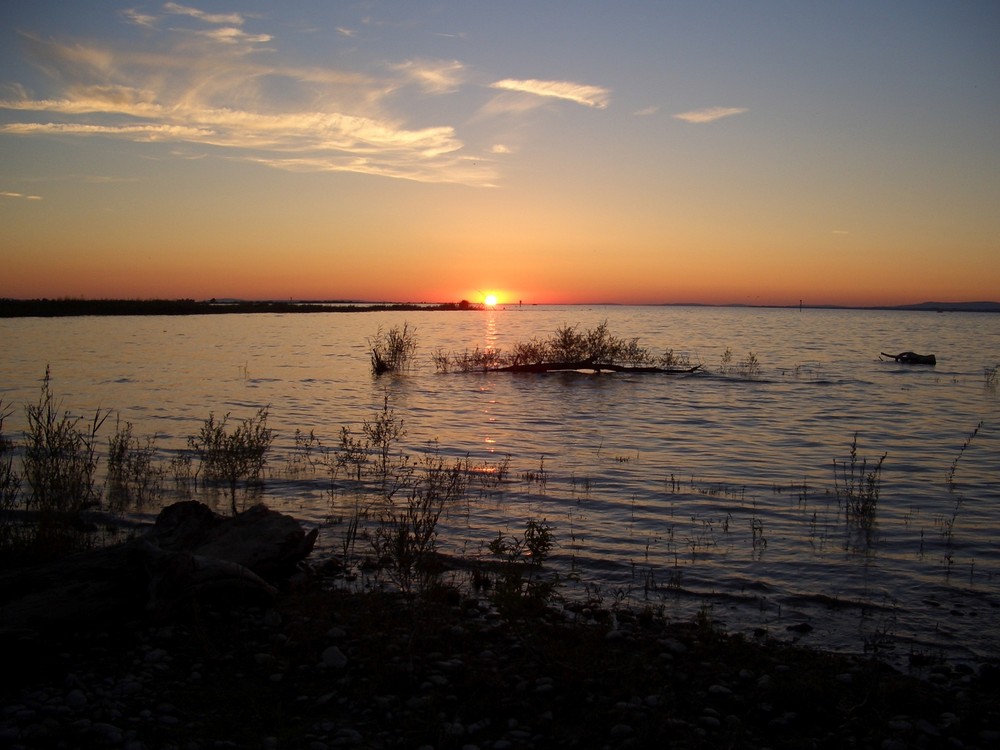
[
  {"x": 10, "y": 485},
  {"x": 858, "y": 487},
  {"x": 134, "y": 480},
  {"x": 568, "y": 345},
  {"x": 60, "y": 456},
  {"x": 393, "y": 350}
]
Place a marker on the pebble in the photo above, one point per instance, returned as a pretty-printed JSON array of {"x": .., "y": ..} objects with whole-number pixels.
[
  {"x": 154, "y": 656},
  {"x": 334, "y": 657}
]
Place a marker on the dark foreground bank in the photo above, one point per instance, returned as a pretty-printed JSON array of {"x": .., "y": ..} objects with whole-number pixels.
[{"x": 321, "y": 669}]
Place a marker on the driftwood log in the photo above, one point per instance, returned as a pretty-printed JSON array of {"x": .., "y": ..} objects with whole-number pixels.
[
  {"x": 589, "y": 364},
  {"x": 189, "y": 554},
  {"x": 912, "y": 358}
]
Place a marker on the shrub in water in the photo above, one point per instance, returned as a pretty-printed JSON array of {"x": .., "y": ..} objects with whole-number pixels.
[
  {"x": 393, "y": 350},
  {"x": 60, "y": 456},
  {"x": 233, "y": 456},
  {"x": 133, "y": 480}
]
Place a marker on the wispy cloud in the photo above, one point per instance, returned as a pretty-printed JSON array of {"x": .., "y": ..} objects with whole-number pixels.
[
  {"x": 233, "y": 35},
  {"x": 214, "y": 84},
  {"x": 434, "y": 76},
  {"x": 21, "y": 196},
  {"x": 138, "y": 18},
  {"x": 590, "y": 96},
  {"x": 216, "y": 97},
  {"x": 710, "y": 114},
  {"x": 219, "y": 18},
  {"x": 148, "y": 132},
  {"x": 647, "y": 111}
]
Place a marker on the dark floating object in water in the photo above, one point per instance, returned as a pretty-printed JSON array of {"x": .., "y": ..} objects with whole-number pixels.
[{"x": 911, "y": 358}]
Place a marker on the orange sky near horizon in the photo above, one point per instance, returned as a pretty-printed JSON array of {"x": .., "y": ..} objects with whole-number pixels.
[{"x": 437, "y": 152}]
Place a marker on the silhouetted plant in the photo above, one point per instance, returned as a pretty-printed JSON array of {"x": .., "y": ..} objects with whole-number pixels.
[
  {"x": 948, "y": 522},
  {"x": 531, "y": 352},
  {"x": 303, "y": 458},
  {"x": 383, "y": 432},
  {"x": 726, "y": 361},
  {"x": 749, "y": 367},
  {"x": 539, "y": 477},
  {"x": 594, "y": 348},
  {"x": 489, "y": 474},
  {"x": 406, "y": 537},
  {"x": 393, "y": 350},
  {"x": 858, "y": 486},
  {"x": 133, "y": 478},
  {"x": 517, "y": 585},
  {"x": 60, "y": 456},
  {"x": 233, "y": 456},
  {"x": 478, "y": 360},
  {"x": 351, "y": 455},
  {"x": 669, "y": 359},
  {"x": 10, "y": 485}
]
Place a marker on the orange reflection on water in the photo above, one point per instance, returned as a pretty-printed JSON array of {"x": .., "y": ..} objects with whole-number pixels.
[{"x": 489, "y": 345}]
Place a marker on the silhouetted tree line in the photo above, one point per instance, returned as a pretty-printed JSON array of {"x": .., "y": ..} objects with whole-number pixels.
[{"x": 51, "y": 308}]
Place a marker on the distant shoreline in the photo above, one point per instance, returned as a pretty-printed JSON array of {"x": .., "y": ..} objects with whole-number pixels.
[
  {"x": 58, "y": 308},
  {"x": 53, "y": 308}
]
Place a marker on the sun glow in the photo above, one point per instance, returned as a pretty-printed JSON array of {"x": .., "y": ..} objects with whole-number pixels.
[{"x": 490, "y": 300}]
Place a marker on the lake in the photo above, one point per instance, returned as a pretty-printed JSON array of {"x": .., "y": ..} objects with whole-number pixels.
[{"x": 711, "y": 492}]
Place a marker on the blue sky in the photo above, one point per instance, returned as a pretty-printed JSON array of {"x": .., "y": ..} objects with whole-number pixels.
[{"x": 630, "y": 152}]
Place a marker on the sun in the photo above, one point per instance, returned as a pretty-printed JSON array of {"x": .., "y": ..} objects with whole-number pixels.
[{"x": 490, "y": 300}]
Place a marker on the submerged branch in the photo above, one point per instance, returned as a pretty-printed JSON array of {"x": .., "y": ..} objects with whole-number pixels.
[{"x": 590, "y": 365}]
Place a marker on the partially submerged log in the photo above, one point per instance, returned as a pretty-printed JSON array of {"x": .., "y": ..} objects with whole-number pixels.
[
  {"x": 591, "y": 365},
  {"x": 912, "y": 358},
  {"x": 190, "y": 554}
]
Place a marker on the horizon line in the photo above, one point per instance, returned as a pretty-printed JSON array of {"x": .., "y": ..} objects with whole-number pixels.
[{"x": 960, "y": 306}]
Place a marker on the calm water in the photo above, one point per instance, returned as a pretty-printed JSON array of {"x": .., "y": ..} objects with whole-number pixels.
[{"x": 681, "y": 492}]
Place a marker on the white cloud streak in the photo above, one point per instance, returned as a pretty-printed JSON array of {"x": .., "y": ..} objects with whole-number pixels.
[
  {"x": 590, "y": 96},
  {"x": 20, "y": 196},
  {"x": 710, "y": 114}
]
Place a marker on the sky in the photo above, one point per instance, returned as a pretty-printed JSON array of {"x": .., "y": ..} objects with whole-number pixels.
[{"x": 748, "y": 152}]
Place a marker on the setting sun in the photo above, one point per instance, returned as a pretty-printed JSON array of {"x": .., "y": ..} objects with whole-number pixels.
[{"x": 490, "y": 300}]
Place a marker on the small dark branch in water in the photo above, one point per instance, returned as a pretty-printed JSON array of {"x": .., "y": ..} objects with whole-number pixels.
[{"x": 912, "y": 358}]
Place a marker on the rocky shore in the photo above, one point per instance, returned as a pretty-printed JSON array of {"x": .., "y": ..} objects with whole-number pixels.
[{"x": 321, "y": 668}]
